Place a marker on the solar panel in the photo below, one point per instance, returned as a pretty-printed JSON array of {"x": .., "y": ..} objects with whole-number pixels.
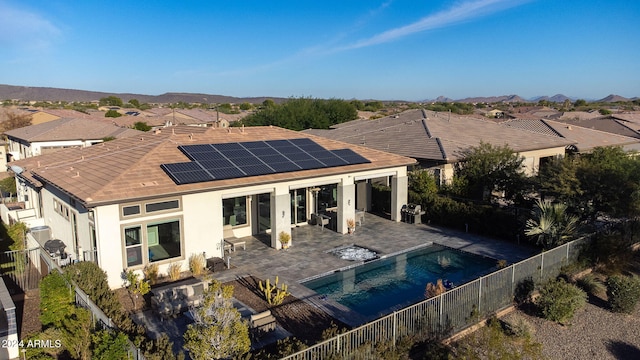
[
  {"x": 253, "y": 170},
  {"x": 235, "y": 160},
  {"x": 226, "y": 173}
]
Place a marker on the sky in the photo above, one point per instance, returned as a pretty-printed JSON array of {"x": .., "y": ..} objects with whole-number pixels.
[{"x": 354, "y": 49}]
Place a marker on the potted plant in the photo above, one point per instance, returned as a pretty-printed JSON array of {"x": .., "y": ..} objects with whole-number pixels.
[
  {"x": 351, "y": 225},
  {"x": 284, "y": 238}
]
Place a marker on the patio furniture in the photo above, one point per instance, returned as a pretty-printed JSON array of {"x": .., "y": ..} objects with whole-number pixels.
[
  {"x": 173, "y": 299},
  {"x": 323, "y": 220},
  {"x": 235, "y": 242},
  {"x": 262, "y": 323}
]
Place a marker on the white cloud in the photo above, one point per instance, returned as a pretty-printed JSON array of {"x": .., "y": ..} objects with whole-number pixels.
[
  {"x": 464, "y": 11},
  {"x": 25, "y": 29}
]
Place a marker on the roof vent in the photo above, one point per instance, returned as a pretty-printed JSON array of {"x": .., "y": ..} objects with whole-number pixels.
[{"x": 77, "y": 174}]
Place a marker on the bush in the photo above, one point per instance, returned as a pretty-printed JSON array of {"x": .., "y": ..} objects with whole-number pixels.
[
  {"x": 623, "y": 292},
  {"x": 559, "y": 301},
  {"x": 151, "y": 273},
  {"x": 523, "y": 291},
  {"x": 56, "y": 300},
  {"x": 591, "y": 284},
  {"x": 109, "y": 345},
  {"x": 196, "y": 264},
  {"x": 174, "y": 271}
]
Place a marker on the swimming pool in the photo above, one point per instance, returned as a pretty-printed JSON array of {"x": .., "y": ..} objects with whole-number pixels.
[{"x": 381, "y": 286}]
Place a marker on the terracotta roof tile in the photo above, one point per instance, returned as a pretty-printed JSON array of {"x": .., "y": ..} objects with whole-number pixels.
[{"x": 118, "y": 170}]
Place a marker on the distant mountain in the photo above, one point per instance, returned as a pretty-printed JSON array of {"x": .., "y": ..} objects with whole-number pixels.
[
  {"x": 558, "y": 98},
  {"x": 614, "y": 98},
  {"x": 494, "y": 99},
  {"x": 28, "y": 93},
  {"x": 442, "y": 99}
]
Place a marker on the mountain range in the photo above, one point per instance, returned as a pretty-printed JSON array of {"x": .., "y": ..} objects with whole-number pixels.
[{"x": 34, "y": 93}]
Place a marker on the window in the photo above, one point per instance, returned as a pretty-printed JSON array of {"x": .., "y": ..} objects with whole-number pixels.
[
  {"x": 234, "y": 211},
  {"x": 61, "y": 209},
  {"x": 163, "y": 240},
  {"x": 133, "y": 246},
  {"x": 151, "y": 242},
  {"x": 130, "y": 210},
  {"x": 165, "y": 205}
]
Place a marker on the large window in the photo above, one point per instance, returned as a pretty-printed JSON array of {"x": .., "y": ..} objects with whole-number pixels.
[
  {"x": 152, "y": 242},
  {"x": 163, "y": 240},
  {"x": 234, "y": 211}
]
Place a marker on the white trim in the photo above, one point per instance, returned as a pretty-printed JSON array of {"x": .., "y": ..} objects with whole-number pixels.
[{"x": 375, "y": 175}]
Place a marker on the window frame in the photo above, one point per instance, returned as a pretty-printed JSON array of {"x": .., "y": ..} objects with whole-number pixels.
[
  {"x": 144, "y": 241},
  {"x": 142, "y": 206}
]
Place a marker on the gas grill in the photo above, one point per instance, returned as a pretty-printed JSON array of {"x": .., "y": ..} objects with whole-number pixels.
[{"x": 412, "y": 213}]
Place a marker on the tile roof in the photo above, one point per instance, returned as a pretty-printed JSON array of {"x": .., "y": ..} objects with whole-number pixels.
[
  {"x": 70, "y": 129},
  {"x": 607, "y": 124},
  {"x": 127, "y": 169},
  {"x": 436, "y": 136},
  {"x": 586, "y": 139}
]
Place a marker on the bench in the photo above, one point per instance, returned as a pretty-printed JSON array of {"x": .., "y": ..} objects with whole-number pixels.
[
  {"x": 230, "y": 241},
  {"x": 262, "y": 322},
  {"x": 173, "y": 299}
]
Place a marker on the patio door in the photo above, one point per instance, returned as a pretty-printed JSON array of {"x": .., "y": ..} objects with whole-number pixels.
[
  {"x": 264, "y": 213},
  {"x": 298, "y": 206}
]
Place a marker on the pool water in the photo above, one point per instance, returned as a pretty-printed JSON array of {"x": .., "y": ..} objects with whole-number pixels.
[{"x": 381, "y": 286}]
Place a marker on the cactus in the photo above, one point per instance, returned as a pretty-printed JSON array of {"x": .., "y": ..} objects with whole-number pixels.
[{"x": 272, "y": 293}]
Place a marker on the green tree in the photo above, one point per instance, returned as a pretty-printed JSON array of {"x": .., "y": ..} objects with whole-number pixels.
[
  {"x": 56, "y": 300},
  {"x": 76, "y": 333},
  {"x": 112, "y": 114},
  {"x": 218, "y": 330},
  {"x": 558, "y": 178},
  {"x": 550, "y": 224},
  {"x": 135, "y": 103},
  {"x": 246, "y": 106},
  {"x": 8, "y": 186},
  {"x": 109, "y": 345},
  {"x": 610, "y": 181},
  {"x": 111, "y": 101},
  {"x": 486, "y": 168},
  {"x": 580, "y": 102},
  {"x": 303, "y": 113},
  {"x": 422, "y": 187},
  {"x": 136, "y": 286},
  {"x": 142, "y": 126}
]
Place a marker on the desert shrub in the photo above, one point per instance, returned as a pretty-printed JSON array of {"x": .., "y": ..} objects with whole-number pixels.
[
  {"x": 591, "y": 284},
  {"x": 559, "y": 300},
  {"x": 196, "y": 264},
  {"x": 623, "y": 292},
  {"x": 151, "y": 273},
  {"x": 434, "y": 290},
  {"x": 174, "y": 270},
  {"x": 523, "y": 291},
  {"x": 518, "y": 326},
  {"x": 491, "y": 342}
]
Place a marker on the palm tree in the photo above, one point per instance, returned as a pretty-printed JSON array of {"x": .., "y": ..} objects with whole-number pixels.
[{"x": 551, "y": 224}]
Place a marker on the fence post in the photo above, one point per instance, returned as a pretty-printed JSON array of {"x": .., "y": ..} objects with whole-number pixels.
[
  {"x": 395, "y": 325},
  {"x": 479, "y": 294},
  {"x": 567, "y": 244},
  {"x": 542, "y": 266}
]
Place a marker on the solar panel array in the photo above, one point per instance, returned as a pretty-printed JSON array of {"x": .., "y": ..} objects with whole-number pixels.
[{"x": 235, "y": 160}]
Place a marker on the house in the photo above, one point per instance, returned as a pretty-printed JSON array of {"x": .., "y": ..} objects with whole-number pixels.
[
  {"x": 439, "y": 140},
  {"x": 62, "y": 133},
  {"x": 159, "y": 197}
]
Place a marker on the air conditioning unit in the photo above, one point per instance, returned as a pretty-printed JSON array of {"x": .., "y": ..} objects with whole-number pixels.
[{"x": 41, "y": 234}]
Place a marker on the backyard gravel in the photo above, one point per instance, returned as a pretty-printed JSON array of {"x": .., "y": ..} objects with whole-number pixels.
[{"x": 594, "y": 333}]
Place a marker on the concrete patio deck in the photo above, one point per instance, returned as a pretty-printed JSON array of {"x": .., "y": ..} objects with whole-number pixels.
[{"x": 308, "y": 257}]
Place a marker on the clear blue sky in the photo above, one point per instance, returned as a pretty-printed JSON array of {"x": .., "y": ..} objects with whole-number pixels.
[{"x": 364, "y": 49}]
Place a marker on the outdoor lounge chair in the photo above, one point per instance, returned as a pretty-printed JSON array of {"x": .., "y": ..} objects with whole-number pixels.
[{"x": 230, "y": 241}]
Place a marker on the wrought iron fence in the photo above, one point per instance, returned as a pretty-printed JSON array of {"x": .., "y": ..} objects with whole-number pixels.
[
  {"x": 22, "y": 268},
  {"x": 447, "y": 313}
]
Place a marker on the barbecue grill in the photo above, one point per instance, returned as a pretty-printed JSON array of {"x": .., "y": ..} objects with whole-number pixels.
[{"x": 412, "y": 213}]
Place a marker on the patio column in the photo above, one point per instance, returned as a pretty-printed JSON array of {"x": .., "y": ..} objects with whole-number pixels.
[
  {"x": 399, "y": 196},
  {"x": 346, "y": 203},
  {"x": 280, "y": 215}
]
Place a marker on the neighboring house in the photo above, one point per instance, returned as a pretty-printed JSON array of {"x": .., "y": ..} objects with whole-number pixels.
[
  {"x": 439, "y": 140},
  {"x": 192, "y": 117},
  {"x": 585, "y": 139},
  {"x": 159, "y": 197},
  {"x": 58, "y": 134}
]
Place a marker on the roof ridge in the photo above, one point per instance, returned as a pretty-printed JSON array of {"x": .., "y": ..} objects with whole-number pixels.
[
  {"x": 625, "y": 125},
  {"x": 551, "y": 128},
  {"x": 599, "y": 131}
]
